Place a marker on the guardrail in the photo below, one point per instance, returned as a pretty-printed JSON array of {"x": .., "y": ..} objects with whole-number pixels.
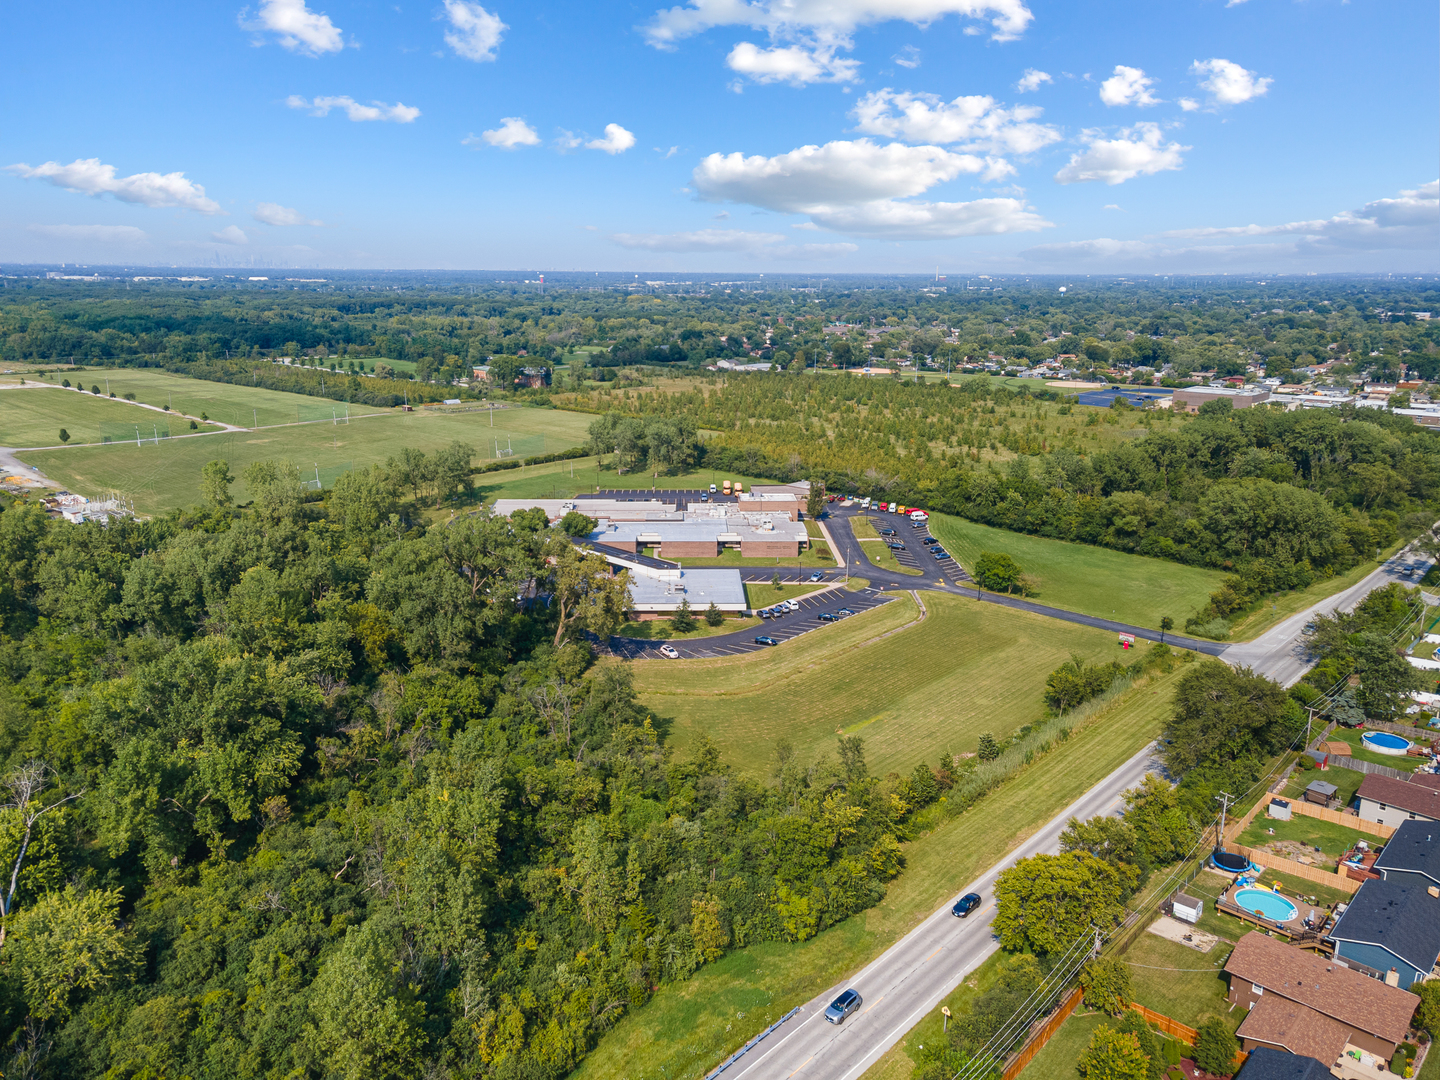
[{"x": 738, "y": 1054}]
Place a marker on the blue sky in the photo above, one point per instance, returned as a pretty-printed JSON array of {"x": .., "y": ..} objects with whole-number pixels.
[{"x": 780, "y": 135}]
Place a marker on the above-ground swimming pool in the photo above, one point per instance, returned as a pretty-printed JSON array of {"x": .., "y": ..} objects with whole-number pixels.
[
  {"x": 1382, "y": 742},
  {"x": 1268, "y": 904}
]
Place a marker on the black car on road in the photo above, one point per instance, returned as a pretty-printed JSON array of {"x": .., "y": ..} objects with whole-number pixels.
[
  {"x": 965, "y": 905},
  {"x": 766, "y": 639}
]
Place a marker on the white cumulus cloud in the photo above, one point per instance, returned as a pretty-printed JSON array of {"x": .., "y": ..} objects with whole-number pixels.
[
  {"x": 1229, "y": 83},
  {"x": 105, "y": 234},
  {"x": 1410, "y": 221},
  {"x": 89, "y": 176},
  {"x": 976, "y": 121},
  {"x": 296, "y": 27},
  {"x": 700, "y": 240},
  {"x": 1032, "y": 80},
  {"x": 1139, "y": 151},
  {"x": 761, "y": 245},
  {"x": 1188, "y": 104},
  {"x": 828, "y": 20},
  {"x": 512, "y": 132},
  {"x": 231, "y": 234},
  {"x": 616, "y": 140},
  {"x": 793, "y": 64},
  {"x": 269, "y": 213},
  {"x": 399, "y": 113},
  {"x": 474, "y": 32},
  {"x": 857, "y": 187},
  {"x": 1128, "y": 86}
]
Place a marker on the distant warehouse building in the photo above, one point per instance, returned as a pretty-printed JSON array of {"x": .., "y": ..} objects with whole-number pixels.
[{"x": 1190, "y": 399}]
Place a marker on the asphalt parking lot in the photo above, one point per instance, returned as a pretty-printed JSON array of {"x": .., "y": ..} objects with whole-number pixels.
[{"x": 782, "y": 628}]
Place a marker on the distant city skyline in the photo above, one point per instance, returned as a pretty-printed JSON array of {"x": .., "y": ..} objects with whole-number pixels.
[{"x": 849, "y": 136}]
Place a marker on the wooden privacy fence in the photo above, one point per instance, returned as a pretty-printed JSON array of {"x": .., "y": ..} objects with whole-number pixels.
[
  {"x": 1177, "y": 1030},
  {"x": 1335, "y": 817},
  {"x": 1337, "y": 879},
  {"x": 1369, "y": 767},
  {"x": 1037, "y": 1041}
]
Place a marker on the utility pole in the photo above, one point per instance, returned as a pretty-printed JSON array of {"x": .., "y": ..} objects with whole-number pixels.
[{"x": 1226, "y": 800}]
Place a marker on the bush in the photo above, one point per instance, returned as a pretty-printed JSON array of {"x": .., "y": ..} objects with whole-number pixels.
[
  {"x": 1215, "y": 630},
  {"x": 682, "y": 622},
  {"x": 64, "y": 435},
  {"x": 713, "y": 615},
  {"x": 1215, "y": 1047},
  {"x": 1106, "y": 982},
  {"x": 1113, "y": 1055}
]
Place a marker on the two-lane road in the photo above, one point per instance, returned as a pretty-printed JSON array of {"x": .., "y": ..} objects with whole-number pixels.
[{"x": 915, "y": 974}]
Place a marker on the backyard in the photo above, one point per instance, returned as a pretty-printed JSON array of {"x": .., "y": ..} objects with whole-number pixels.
[
  {"x": 1325, "y": 841},
  {"x": 1353, "y": 736}
]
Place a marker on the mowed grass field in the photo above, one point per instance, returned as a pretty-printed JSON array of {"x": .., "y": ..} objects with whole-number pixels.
[
  {"x": 689, "y": 1028},
  {"x": 932, "y": 688},
  {"x": 34, "y": 417},
  {"x": 1090, "y": 580},
  {"x": 243, "y": 406},
  {"x": 164, "y": 476}
]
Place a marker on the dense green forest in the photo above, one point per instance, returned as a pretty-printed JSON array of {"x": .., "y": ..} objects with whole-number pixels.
[
  {"x": 443, "y": 325},
  {"x": 307, "y": 789}
]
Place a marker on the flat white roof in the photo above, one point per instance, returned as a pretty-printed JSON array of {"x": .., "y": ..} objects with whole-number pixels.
[{"x": 723, "y": 588}]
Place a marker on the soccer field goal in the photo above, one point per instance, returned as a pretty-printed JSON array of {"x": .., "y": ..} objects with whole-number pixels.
[
  {"x": 137, "y": 432},
  {"x": 502, "y": 445}
]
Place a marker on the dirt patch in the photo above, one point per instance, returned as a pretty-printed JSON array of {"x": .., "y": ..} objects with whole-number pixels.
[{"x": 1182, "y": 933}]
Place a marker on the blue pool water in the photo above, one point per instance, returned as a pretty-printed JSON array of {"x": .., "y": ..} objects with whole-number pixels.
[
  {"x": 1382, "y": 742},
  {"x": 1268, "y": 904}
]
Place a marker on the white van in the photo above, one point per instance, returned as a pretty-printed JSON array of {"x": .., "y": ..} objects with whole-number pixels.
[
  {"x": 892, "y": 507},
  {"x": 713, "y": 489}
]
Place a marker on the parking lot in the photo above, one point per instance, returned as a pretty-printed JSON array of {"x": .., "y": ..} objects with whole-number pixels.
[
  {"x": 782, "y": 628},
  {"x": 917, "y": 555}
]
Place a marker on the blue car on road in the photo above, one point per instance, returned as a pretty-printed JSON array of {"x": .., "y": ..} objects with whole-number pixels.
[{"x": 843, "y": 1006}]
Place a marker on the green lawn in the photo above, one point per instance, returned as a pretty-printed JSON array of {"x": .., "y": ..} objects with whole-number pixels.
[
  {"x": 967, "y": 668},
  {"x": 687, "y": 1029},
  {"x": 1332, "y": 840},
  {"x": 817, "y": 557},
  {"x": 35, "y": 417},
  {"x": 1347, "y": 781},
  {"x": 659, "y": 629},
  {"x": 1059, "y": 1057},
  {"x": 1175, "y": 980},
  {"x": 1352, "y": 736},
  {"x": 168, "y": 475},
  {"x": 244, "y": 406},
  {"x": 758, "y": 596},
  {"x": 1090, "y": 580},
  {"x": 883, "y": 557}
]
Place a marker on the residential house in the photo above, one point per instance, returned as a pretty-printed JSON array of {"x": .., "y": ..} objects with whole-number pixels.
[
  {"x": 1388, "y": 801},
  {"x": 1412, "y": 855},
  {"x": 1391, "y": 930},
  {"x": 1267, "y": 1063},
  {"x": 1308, "y": 1004}
]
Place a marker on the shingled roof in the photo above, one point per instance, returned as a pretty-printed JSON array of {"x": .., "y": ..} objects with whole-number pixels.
[
  {"x": 1295, "y": 1027},
  {"x": 1267, "y": 1064},
  {"x": 1364, "y": 1003},
  {"x": 1401, "y": 794},
  {"x": 1414, "y": 849}
]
